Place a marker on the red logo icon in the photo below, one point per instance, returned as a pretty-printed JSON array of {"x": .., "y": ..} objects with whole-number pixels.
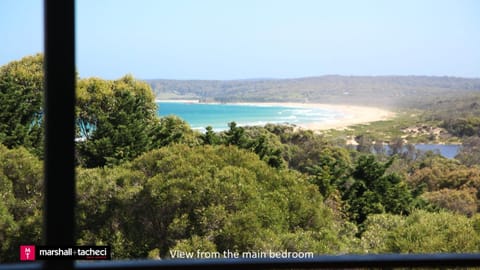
[{"x": 27, "y": 253}]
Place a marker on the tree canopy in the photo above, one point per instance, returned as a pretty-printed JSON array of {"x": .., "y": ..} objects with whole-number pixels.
[
  {"x": 21, "y": 99},
  {"x": 116, "y": 120}
]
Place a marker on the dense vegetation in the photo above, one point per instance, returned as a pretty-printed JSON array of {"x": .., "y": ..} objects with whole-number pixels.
[
  {"x": 382, "y": 91},
  {"x": 148, "y": 186}
]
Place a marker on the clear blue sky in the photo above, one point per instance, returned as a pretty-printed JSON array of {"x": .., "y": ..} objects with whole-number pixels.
[{"x": 232, "y": 39}]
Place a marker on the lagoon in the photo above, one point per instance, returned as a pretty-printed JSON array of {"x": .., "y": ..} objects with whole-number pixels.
[{"x": 446, "y": 150}]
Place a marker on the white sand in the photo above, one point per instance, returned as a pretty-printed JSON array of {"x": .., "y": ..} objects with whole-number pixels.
[{"x": 351, "y": 115}]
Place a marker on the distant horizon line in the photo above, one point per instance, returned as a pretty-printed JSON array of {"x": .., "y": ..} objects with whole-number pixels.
[
  {"x": 312, "y": 77},
  {"x": 260, "y": 78}
]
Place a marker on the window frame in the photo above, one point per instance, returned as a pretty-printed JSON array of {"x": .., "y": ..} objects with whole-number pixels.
[{"x": 59, "y": 179}]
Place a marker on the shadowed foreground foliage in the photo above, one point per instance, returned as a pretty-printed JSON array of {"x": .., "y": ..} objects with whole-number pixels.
[{"x": 219, "y": 195}]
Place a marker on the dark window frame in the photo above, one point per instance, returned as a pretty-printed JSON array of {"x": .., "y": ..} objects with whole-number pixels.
[{"x": 60, "y": 178}]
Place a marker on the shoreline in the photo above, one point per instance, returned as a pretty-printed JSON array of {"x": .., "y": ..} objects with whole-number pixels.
[
  {"x": 177, "y": 100},
  {"x": 351, "y": 114}
]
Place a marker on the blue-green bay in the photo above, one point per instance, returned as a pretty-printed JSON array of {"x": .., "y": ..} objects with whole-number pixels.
[{"x": 201, "y": 115}]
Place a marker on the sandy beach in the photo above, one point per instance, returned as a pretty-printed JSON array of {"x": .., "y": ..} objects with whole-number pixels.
[{"x": 351, "y": 115}]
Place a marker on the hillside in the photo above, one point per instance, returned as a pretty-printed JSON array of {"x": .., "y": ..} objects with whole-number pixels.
[{"x": 383, "y": 91}]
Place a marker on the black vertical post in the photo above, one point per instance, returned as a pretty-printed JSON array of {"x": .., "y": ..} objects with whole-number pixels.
[{"x": 60, "y": 126}]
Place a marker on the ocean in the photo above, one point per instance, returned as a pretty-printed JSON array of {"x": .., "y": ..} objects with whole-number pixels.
[{"x": 201, "y": 115}]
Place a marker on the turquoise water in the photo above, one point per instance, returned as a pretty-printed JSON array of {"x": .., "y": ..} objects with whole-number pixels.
[{"x": 201, "y": 115}]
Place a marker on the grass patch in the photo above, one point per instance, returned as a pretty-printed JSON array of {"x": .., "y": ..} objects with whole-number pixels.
[{"x": 424, "y": 130}]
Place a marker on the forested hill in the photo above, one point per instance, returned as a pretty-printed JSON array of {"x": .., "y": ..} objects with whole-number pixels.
[{"x": 367, "y": 90}]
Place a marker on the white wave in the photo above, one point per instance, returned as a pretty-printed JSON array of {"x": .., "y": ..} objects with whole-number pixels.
[{"x": 291, "y": 117}]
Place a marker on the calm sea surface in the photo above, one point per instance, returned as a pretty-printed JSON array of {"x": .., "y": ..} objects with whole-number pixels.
[{"x": 201, "y": 115}]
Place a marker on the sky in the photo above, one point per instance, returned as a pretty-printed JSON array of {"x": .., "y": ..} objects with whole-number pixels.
[{"x": 241, "y": 39}]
